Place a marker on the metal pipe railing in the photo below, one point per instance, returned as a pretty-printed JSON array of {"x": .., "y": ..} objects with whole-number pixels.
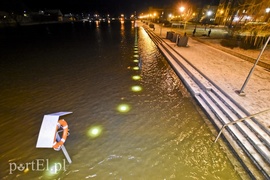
[{"x": 236, "y": 121}]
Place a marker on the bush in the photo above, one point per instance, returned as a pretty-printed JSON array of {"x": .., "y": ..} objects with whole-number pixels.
[
  {"x": 252, "y": 42},
  {"x": 231, "y": 43}
]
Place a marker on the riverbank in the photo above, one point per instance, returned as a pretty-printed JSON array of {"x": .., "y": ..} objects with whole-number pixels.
[
  {"x": 209, "y": 72},
  {"x": 217, "y": 34},
  {"x": 228, "y": 69}
]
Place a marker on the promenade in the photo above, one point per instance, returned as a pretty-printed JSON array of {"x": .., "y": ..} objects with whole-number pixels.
[
  {"x": 228, "y": 71},
  {"x": 214, "y": 75}
]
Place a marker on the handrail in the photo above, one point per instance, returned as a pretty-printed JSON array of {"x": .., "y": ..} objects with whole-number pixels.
[{"x": 236, "y": 121}]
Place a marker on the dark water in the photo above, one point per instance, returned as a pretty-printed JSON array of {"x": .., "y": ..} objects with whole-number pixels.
[{"x": 92, "y": 69}]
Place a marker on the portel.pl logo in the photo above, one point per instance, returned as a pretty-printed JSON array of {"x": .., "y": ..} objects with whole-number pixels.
[{"x": 38, "y": 165}]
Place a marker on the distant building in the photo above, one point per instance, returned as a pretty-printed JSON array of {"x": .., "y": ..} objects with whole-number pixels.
[
  {"x": 55, "y": 14},
  {"x": 4, "y": 17},
  {"x": 47, "y": 15},
  {"x": 239, "y": 12}
]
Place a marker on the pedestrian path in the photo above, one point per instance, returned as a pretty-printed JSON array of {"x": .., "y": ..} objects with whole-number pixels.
[
  {"x": 213, "y": 76},
  {"x": 229, "y": 72}
]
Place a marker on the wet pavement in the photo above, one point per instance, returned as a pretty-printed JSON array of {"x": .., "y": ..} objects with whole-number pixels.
[{"x": 230, "y": 73}]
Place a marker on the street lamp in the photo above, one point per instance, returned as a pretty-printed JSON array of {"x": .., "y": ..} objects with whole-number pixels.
[{"x": 181, "y": 9}]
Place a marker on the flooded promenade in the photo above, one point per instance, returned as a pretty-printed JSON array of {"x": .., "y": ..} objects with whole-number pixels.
[{"x": 91, "y": 70}]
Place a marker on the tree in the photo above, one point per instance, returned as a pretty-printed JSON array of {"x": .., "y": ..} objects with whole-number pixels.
[
  {"x": 254, "y": 18},
  {"x": 14, "y": 9}
]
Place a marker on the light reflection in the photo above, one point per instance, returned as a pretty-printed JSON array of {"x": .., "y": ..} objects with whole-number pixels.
[
  {"x": 97, "y": 23},
  {"x": 136, "y": 55},
  {"x": 26, "y": 170},
  {"x": 135, "y": 60}
]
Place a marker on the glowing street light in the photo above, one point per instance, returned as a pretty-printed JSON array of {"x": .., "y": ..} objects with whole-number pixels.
[
  {"x": 182, "y": 9},
  {"x": 209, "y": 13}
]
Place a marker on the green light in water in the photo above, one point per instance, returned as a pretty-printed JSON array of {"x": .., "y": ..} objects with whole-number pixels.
[
  {"x": 123, "y": 108},
  {"x": 94, "y": 131},
  {"x": 54, "y": 168},
  {"x": 136, "y": 77},
  {"x": 136, "y": 68},
  {"x": 136, "y": 88},
  {"x": 135, "y": 60}
]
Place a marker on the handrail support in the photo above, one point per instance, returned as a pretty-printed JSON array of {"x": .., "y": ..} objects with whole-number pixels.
[{"x": 236, "y": 121}]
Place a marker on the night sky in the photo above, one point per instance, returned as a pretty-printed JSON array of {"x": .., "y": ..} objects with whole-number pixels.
[{"x": 98, "y": 6}]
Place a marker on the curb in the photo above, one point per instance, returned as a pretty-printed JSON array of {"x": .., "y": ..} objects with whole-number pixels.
[{"x": 246, "y": 58}]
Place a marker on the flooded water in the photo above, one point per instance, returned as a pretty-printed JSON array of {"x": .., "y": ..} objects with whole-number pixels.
[{"x": 132, "y": 117}]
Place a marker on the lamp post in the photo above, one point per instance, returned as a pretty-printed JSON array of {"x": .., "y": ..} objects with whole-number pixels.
[
  {"x": 181, "y": 9},
  {"x": 241, "y": 92}
]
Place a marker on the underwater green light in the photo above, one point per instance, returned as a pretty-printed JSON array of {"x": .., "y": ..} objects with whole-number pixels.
[
  {"x": 136, "y": 68},
  {"x": 123, "y": 108},
  {"x": 54, "y": 169},
  {"x": 94, "y": 131},
  {"x": 136, "y": 88},
  {"x": 136, "y": 77}
]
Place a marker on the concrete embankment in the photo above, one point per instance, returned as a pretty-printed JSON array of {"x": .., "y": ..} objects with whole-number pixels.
[{"x": 249, "y": 139}]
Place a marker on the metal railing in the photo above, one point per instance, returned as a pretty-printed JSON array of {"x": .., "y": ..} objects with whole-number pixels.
[{"x": 238, "y": 120}]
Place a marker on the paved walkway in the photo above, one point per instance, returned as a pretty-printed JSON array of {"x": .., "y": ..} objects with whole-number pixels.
[
  {"x": 209, "y": 73},
  {"x": 229, "y": 73}
]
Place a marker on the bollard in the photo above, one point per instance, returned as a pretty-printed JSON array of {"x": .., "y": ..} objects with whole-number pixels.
[
  {"x": 182, "y": 41},
  {"x": 175, "y": 35},
  {"x": 169, "y": 35}
]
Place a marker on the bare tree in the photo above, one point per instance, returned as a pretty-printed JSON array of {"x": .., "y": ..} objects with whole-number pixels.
[{"x": 254, "y": 18}]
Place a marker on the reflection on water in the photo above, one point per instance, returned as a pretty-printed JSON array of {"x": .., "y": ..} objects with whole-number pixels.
[{"x": 126, "y": 124}]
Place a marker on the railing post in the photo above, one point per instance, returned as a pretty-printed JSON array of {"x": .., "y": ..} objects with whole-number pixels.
[{"x": 219, "y": 133}]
